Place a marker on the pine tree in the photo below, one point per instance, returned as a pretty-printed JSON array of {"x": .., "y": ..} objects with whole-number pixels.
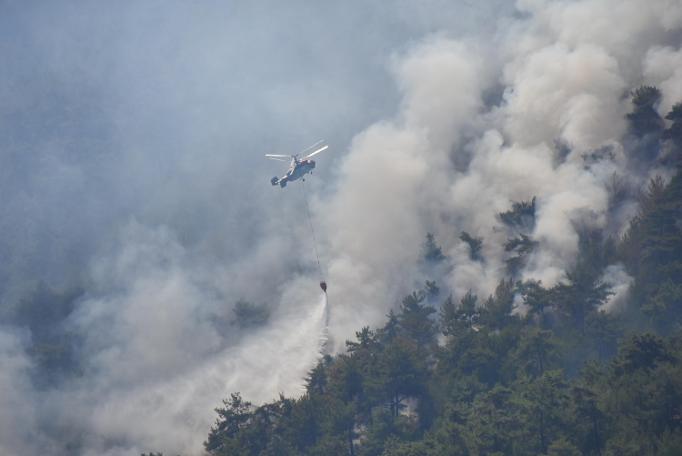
[
  {"x": 415, "y": 319},
  {"x": 432, "y": 253},
  {"x": 674, "y": 132},
  {"x": 644, "y": 120},
  {"x": 233, "y": 417},
  {"x": 475, "y": 244}
]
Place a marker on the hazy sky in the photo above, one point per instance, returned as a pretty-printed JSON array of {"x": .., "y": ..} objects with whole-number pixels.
[{"x": 162, "y": 110}]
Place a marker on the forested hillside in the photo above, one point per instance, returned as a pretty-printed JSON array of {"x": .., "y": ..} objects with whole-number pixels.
[{"x": 531, "y": 369}]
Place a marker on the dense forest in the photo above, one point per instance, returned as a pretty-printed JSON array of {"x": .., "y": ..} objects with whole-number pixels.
[{"x": 531, "y": 369}]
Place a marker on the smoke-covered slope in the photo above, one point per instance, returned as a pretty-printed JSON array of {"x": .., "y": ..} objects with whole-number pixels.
[
  {"x": 137, "y": 213},
  {"x": 585, "y": 369}
]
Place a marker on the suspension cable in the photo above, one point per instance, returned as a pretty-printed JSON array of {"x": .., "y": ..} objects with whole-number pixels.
[{"x": 312, "y": 230}]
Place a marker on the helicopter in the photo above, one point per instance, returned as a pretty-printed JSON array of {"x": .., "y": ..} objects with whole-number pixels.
[{"x": 298, "y": 167}]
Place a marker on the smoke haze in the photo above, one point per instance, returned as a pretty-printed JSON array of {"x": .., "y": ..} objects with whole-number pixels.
[{"x": 133, "y": 183}]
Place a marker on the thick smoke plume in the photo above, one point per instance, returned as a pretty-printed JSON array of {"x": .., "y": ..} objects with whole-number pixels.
[
  {"x": 135, "y": 192},
  {"x": 562, "y": 72}
]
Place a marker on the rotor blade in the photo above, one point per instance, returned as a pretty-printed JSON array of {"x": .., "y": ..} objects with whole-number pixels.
[
  {"x": 321, "y": 149},
  {"x": 277, "y": 156},
  {"x": 278, "y": 159},
  {"x": 317, "y": 144}
]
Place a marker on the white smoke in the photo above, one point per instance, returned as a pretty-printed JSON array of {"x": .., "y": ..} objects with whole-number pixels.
[
  {"x": 475, "y": 131},
  {"x": 564, "y": 69},
  {"x": 17, "y": 421},
  {"x": 158, "y": 360},
  {"x": 663, "y": 69},
  {"x": 620, "y": 282}
]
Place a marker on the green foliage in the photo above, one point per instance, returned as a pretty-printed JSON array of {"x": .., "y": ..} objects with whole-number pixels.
[
  {"x": 471, "y": 401},
  {"x": 562, "y": 447},
  {"x": 642, "y": 352},
  {"x": 520, "y": 247},
  {"x": 674, "y": 132},
  {"x": 646, "y": 96},
  {"x": 536, "y": 351},
  {"x": 644, "y": 119},
  {"x": 431, "y": 252},
  {"x": 604, "y": 329},
  {"x": 316, "y": 382},
  {"x": 581, "y": 295},
  {"x": 431, "y": 290},
  {"x": 449, "y": 317},
  {"x": 521, "y": 216},
  {"x": 458, "y": 319},
  {"x": 398, "y": 448},
  {"x": 666, "y": 300},
  {"x": 415, "y": 319},
  {"x": 497, "y": 311},
  {"x": 675, "y": 113},
  {"x": 652, "y": 252},
  {"x": 537, "y": 299},
  {"x": 475, "y": 244},
  {"x": 556, "y": 376},
  {"x": 232, "y": 418}
]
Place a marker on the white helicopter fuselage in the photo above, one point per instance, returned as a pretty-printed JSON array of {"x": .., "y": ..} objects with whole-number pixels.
[
  {"x": 298, "y": 167},
  {"x": 297, "y": 170}
]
